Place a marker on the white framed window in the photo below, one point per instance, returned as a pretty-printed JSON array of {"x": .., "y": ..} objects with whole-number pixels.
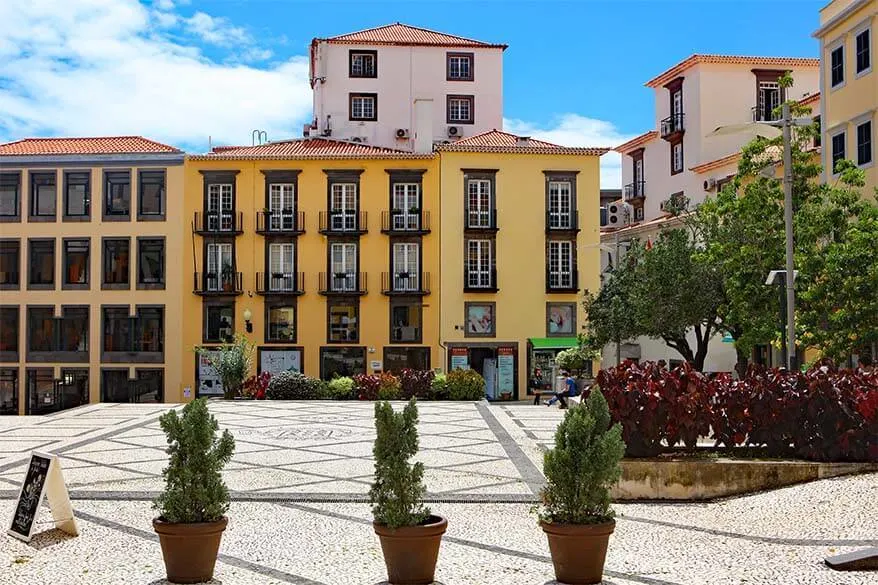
[
  {"x": 460, "y": 67},
  {"x": 560, "y": 205},
  {"x": 281, "y": 266},
  {"x": 406, "y": 256},
  {"x": 638, "y": 214},
  {"x": 677, "y": 104},
  {"x": 343, "y": 266},
  {"x": 363, "y": 64},
  {"x": 769, "y": 97},
  {"x": 282, "y": 205},
  {"x": 561, "y": 264},
  {"x": 220, "y": 266},
  {"x": 838, "y": 143},
  {"x": 364, "y": 106},
  {"x": 836, "y": 66},
  {"x": 460, "y": 109},
  {"x": 406, "y": 206},
  {"x": 864, "y": 143},
  {"x": 479, "y": 204},
  {"x": 479, "y": 261},
  {"x": 863, "y": 51},
  {"x": 220, "y": 207},
  {"x": 343, "y": 211},
  {"x": 677, "y": 158}
]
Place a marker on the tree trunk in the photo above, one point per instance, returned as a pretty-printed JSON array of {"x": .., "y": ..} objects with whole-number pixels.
[
  {"x": 681, "y": 346},
  {"x": 743, "y": 362}
]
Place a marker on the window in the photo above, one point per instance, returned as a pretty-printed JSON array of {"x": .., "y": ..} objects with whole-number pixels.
[
  {"x": 560, "y": 319},
  {"x": 480, "y": 203},
  {"x": 281, "y": 266},
  {"x": 677, "y": 158},
  {"x": 406, "y": 269},
  {"x": 343, "y": 206},
  {"x": 480, "y": 264},
  {"x": 136, "y": 339},
  {"x": 638, "y": 214},
  {"x": 41, "y": 271},
  {"x": 40, "y": 329},
  {"x": 863, "y": 49},
  {"x": 406, "y": 206},
  {"x": 343, "y": 320},
  {"x": 41, "y": 395},
  {"x": 769, "y": 97},
  {"x": 460, "y": 109},
  {"x": 281, "y": 322},
  {"x": 42, "y": 197},
  {"x": 117, "y": 196},
  {"x": 219, "y": 322},
  {"x": 8, "y": 391},
  {"x": 9, "y": 334},
  {"x": 480, "y": 319},
  {"x": 73, "y": 388},
  {"x": 220, "y": 207},
  {"x": 116, "y": 256},
  {"x": 864, "y": 143},
  {"x": 220, "y": 263},
  {"x": 838, "y": 148},
  {"x": 282, "y": 206},
  {"x": 73, "y": 332},
  {"x": 76, "y": 253},
  {"x": 151, "y": 195},
  {"x": 64, "y": 339},
  {"x": 115, "y": 386},
  {"x": 150, "y": 263},
  {"x": 560, "y": 205},
  {"x": 364, "y": 106},
  {"x": 149, "y": 386},
  {"x": 405, "y": 321},
  {"x": 343, "y": 266},
  {"x": 363, "y": 63},
  {"x": 342, "y": 361},
  {"x": 561, "y": 265},
  {"x": 459, "y": 67},
  {"x": 10, "y": 264},
  {"x": 818, "y": 135},
  {"x": 397, "y": 359},
  {"x": 836, "y": 66},
  {"x": 77, "y": 196},
  {"x": 10, "y": 196}
]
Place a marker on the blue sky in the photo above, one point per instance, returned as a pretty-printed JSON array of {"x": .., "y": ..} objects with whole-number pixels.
[{"x": 185, "y": 70}]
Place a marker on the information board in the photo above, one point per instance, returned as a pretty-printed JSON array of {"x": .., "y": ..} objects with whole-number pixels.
[
  {"x": 208, "y": 382},
  {"x": 459, "y": 358},
  {"x": 43, "y": 477},
  {"x": 275, "y": 361},
  {"x": 506, "y": 369}
]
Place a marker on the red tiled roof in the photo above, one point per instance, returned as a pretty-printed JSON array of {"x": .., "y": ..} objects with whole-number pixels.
[
  {"x": 636, "y": 142},
  {"x": 94, "y": 145},
  {"x": 680, "y": 67},
  {"x": 810, "y": 99},
  {"x": 403, "y": 34},
  {"x": 499, "y": 141},
  {"x": 306, "y": 148}
]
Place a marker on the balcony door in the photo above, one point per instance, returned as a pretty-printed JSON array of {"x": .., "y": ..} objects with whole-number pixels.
[
  {"x": 344, "y": 206},
  {"x": 405, "y": 266},
  {"x": 220, "y": 266},
  {"x": 638, "y": 176},
  {"x": 343, "y": 265},
  {"x": 281, "y": 267},
  {"x": 220, "y": 207},
  {"x": 479, "y": 203},
  {"x": 282, "y": 205},
  {"x": 769, "y": 98},
  {"x": 406, "y": 206},
  {"x": 478, "y": 274},
  {"x": 676, "y": 104},
  {"x": 560, "y": 205},
  {"x": 561, "y": 265}
]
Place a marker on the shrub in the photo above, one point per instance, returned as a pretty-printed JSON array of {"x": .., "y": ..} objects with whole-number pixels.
[
  {"x": 340, "y": 389},
  {"x": 577, "y": 360},
  {"x": 416, "y": 383},
  {"x": 231, "y": 362},
  {"x": 398, "y": 488},
  {"x": 366, "y": 386},
  {"x": 583, "y": 465},
  {"x": 256, "y": 386},
  {"x": 465, "y": 385},
  {"x": 194, "y": 488},
  {"x": 293, "y": 386},
  {"x": 388, "y": 386},
  {"x": 439, "y": 388}
]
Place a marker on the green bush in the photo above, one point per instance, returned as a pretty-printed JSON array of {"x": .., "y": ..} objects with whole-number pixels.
[
  {"x": 194, "y": 488},
  {"x": 439, "y": 387},
  {"x": 398, "y": 488},
  {"x": 465, "y": 385},
  {"x": 232, "y": 363},
  {"x": 293, "y": 386},
  {"x": 583, "y": 465},
  {"x": 389, "y": 387},
  {"x": 340, "y": 389}
]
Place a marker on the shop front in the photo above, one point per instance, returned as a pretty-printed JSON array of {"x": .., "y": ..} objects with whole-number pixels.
[
  {"x": 496, "y": 362},
  {"x": 541, "y": 354}
]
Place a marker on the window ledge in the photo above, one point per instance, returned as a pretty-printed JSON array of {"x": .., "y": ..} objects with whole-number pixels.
[
  {"x": 863, "y": 73},
  {"x": 76, "y": 286},
  {"x": 75, "y": 218},
  {"x": 42, "y": 218},
  {"x": 839, "y": 86},
  {"x": 10, "y": 286},
  {"x": 132, "y": 357},
  {"x": 115, "y": 286},
  {"x": 41, "y": 286},
  {"x": 8, "y": 357},
  {"x": 107, "y": 217},
  {"x": 150, "y": 286},
  {"x": 157, "y": 217},
  {"x": 867, "y": 165},
  {"x": 10, "y": 219}
]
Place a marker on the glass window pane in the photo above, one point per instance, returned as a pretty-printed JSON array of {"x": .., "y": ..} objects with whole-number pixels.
[
  {"x": 281, "y": 323},
  {"x": 151, "y": 262},
  {"x": 149, "y": 387},
  {"x": 342, "y": 361},
  {"x": 76, "y": 261},
  {"x": 10, "y": 189},
  {"x": 116, "y": 256},
  {"x": 219, "y": 323},
  {"x": 43, "y": 194},
  {"x": 8, "y": 329},
  {"x": 42, "y": 261},
  {"x": 41, "y": 328},
  {"x": 8, "y": 391},
  {"x": 150, "y": 330},
  {"x": 117, "y": 329},
  {"x": 74, "y": 330},
  {"x": 118, "y": 194},
  {"x": 10, "y": 263},
  {"x": 152, "y": 193},
  {"x": 115, "y": 386},
  {"x": 343, "y": 321}
]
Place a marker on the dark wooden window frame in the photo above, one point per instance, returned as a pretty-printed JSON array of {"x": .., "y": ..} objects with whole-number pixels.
[
  {"x": 16, "y": 244},
  {"x": 37, "y": 179},
  {"x": 152, "y": 285},
  {"x": 114, "y": 285},
  {"x": 479, "y": 174},
  {"x": 287, "y": 301},
  {"x": 472, "y": 66},
  {"x": 343, "y": 300},
  {"x": 466, "y": 306},
  {"x": 353, "y": 52},
  {"x": 408, "y": 302},
  {"x": 134, "y": 357},
  {"x": 561, "y": 176},
  {"x": 472, "y": 108},
  {"x": 11, "y": 356},
  {"x": 409, "y": 346},
  {"x": 574, "y": 268},
  {"x": 326, "y": 348},
  {"x": 673, "y": 87},
  {"x": 769, "y": 75},
  {"x": 72, "y": 178},
  {"x": 549, "y": 307},
  {"x": 682, "y": 156},
  {"x": 65, "y": 268},
  {"x": 151, "y": 173},
  {"x": 55, "y": 354},
  {"x": 227, "y": 177},
  {"x": 109, "y": 177},
  {"x": 216, "y": 302},
  {"x": 359, "y": 94},
  {"x": 12, "y": 179},
  {"x": 11, "y": 375},
  {"x": 41, "y": 286},
  {"x": 284, "y": 176}
]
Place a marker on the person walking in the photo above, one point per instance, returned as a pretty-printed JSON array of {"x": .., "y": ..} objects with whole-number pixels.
[{"x": 569, "y": 389}]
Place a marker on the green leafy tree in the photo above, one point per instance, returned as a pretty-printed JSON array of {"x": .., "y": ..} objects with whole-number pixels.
[{"x": 232, "y": 362}]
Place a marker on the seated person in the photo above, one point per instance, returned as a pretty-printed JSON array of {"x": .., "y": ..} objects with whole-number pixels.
[{"x": 570, "y": 389}]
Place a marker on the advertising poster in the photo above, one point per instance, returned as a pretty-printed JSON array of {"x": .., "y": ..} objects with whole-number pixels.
[
  {"x": 506, "y": 369},
  {"x": 275, "y": 361},
  {"x": 459, "y": 359},
  {"x": 208, "y": 382}
]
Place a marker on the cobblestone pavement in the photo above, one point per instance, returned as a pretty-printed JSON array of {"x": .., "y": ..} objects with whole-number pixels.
[{"x": 301, "y": 472}]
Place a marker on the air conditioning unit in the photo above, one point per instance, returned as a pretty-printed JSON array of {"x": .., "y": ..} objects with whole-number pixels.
[
  {"x": 709, "y": 184},
  {"x": 455, "y": 131},
  {"x": 402, "y": 133},
  {"x": 618, "y": 214},
  {"x": 359, "y": 139}
]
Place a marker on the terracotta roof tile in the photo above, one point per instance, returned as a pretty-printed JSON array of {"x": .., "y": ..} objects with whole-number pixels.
[
  {"x": 636, "y": 142},
  {"x": 682, "y": 66},
  {"x": 403, "y": 34},
  {"x": 306, "y": 148},
  {"x": 94, "y": 145},
  {"x": 499, "y": 141}
]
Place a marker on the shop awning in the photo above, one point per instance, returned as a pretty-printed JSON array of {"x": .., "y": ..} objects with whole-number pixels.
[{"x": 553, "y": 342}]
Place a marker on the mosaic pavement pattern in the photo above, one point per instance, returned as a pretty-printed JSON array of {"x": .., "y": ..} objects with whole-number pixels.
[{"x": 300, "y": 477}]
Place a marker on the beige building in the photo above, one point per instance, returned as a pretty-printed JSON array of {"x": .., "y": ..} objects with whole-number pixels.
[
  {"x": 88, "y": 227},
  {"x": 849, "y": 85}
]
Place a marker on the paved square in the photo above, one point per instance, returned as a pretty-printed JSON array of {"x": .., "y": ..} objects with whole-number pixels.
[{"x": 302, "y": 470}]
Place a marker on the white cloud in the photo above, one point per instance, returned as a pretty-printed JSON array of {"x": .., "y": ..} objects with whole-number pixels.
[
  {"x": 86, "y": 67},
  {"x": 163, "y": 4},
  {"x": 218, "y": 31},
  {"x": 577, "y": 130}
]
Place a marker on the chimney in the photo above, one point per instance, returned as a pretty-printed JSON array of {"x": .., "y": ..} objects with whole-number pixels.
[
  {"x": 423, "y": 126},
  {"x": 522, "y": 140}
]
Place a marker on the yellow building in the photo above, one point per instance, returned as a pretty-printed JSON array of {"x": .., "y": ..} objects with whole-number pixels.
[
  {"x": 519, "y": 244},
  {"x": 323, "y": 252},
  {"x": 849, "y": 85},
  {"x": 88, "y": 306}
]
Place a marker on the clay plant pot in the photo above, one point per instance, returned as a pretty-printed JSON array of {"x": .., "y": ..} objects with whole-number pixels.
[
  {"x": 190, "y": 550},
  {"x": 410, "y": 552},
  {"x": 578, "y": 550}
]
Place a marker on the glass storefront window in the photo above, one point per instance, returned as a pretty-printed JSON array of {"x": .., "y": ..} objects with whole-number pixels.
[
  {"x": 400, "y": 358},
  {"x": 342, "y": 361},
  {"x": 8, "y": 391}
]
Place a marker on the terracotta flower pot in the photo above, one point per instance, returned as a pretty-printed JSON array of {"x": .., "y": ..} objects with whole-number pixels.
[
  {"x": 578, "y": 550},
  {"x": 190, "y": 550},
  {"x": 410, "y": 552}
]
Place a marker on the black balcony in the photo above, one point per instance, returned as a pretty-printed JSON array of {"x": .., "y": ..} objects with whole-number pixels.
[
  {"x": 405, "y": 283},
  {"x": 342, "y": 283},
  {"x": 212, "y": 223},
  {"x": 216, "y": 283},
  {"x": 413, "y": 222},
  {"x": 281, "y": 223},
  {"x": 562, "y": 282},
  {"x": 481, "y": 221},
  {"x": 764, "y": 114},
  {"x": 280, "y": 283},
  {"x": 672, "y": 126},
  {"x": 347, "y": 223},
  {"x": 562, "y": 223},
  {"x": 480, "y": 281},
  {"x": 635, "y": 190}
]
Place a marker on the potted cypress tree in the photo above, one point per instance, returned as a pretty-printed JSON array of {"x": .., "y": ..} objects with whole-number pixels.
[
  {"x": 580, "y": 469},
  {"x": 193, "y": 504},
  {"x": 410, "y": 535}
]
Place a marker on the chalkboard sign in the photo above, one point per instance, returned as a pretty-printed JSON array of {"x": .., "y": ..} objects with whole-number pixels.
[{"x": 30, "y": 496}]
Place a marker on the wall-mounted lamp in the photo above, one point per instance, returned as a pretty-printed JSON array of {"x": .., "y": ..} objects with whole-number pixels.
[
  {"x": 68, "y": 379},
  {"x": 248, "y": 315},
  {"x": 371, "y": 350}
]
